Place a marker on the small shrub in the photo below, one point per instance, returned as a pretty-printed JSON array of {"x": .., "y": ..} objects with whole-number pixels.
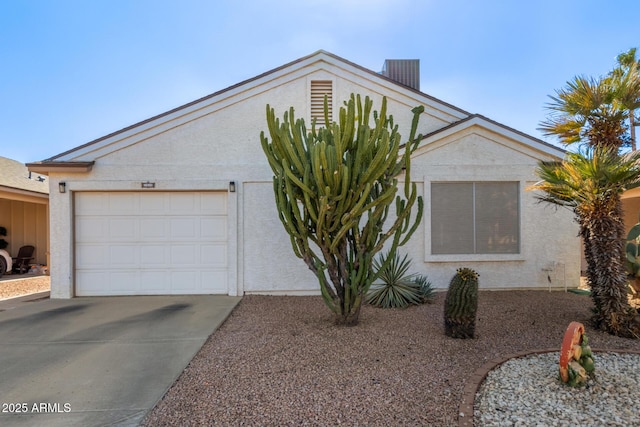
[{"x": 396, "y": 288}]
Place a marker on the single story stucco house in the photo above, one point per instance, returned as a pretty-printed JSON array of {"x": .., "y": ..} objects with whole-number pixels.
[{"x": 182, "y": 203}]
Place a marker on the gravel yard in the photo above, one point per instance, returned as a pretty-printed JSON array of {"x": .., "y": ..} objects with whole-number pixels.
[
  {"x": 280, "y": 361},
  {"x": 12, "y": 286}
]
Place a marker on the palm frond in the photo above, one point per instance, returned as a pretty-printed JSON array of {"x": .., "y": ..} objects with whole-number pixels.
[
  {"x": 592, "y": 110},
  {"x": 584, "y": 178}
]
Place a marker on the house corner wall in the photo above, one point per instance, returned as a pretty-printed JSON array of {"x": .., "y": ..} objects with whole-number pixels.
[{"x": 61, "y": 240}]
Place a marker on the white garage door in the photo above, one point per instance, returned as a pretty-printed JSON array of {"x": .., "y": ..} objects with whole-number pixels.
[{"x": 133, "y": 243}]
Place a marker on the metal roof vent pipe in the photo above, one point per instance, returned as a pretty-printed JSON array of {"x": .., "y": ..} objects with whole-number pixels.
[{"x": 403, "y": 71}]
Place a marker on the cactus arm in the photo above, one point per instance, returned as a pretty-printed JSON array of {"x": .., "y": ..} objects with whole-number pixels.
[
  {"x": 333, "y": 188},
  {"x": 634, "y": 233}
]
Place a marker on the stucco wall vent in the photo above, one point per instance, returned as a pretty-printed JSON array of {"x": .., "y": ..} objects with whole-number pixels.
[
  {"x": 404, "y": 71},
  {"x": 320, "y": 89}
]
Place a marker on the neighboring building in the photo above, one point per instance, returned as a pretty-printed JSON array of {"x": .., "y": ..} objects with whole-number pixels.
[
  {"x": 24, "y": 201},
  {"x": 183, "y": 202}
]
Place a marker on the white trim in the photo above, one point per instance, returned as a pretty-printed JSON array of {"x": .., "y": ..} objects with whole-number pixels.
[
  {"x": 474, "y": 258},
  {"x": 441, "y": 258},
  {"x": 160, "y": 185}
]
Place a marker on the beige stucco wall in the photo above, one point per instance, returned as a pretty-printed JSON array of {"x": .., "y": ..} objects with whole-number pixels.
[
  {"x": 631, "y": 208},
  {"x": 549, "y": 247},
  {"x": 269, "y": 262},
  {"x": 205, "y": 146}
]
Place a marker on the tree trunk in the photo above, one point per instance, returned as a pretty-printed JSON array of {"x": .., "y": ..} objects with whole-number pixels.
[
  {"x": 348, "y": 318},
  {"x": 632, "y": 129},
  {"x": 591, "y": 265},
  {"x": 608, "y": 280}
]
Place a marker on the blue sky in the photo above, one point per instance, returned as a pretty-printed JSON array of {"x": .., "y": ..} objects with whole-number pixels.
[{"x": 73, "y": 71}]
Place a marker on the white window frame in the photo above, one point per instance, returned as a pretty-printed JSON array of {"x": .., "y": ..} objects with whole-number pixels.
[{"x": 429, "y": 257}]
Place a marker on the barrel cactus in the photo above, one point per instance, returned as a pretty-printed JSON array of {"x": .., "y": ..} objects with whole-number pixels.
[{"x": 461, "y": 304}]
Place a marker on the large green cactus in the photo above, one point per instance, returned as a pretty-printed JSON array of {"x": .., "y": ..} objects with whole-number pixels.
[
  {"x": 461, "y": 304},
  {"x": 334, "y": 187}
]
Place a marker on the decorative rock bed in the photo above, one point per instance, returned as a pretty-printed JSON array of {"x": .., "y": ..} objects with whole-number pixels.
[{"x": 527, "y": 391}]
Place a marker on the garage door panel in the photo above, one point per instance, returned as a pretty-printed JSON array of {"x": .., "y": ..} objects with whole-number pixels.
[
  {"x": 123, "y": 229},
  {"x": 181, "y": 280},
  {"x": 214, "y": 281},
  {"x": 154, "y": 282},
  {"x": 91, "y": 229},
  {"x": 185, "y": 256},
  {"x": 90, "y": 256},
  {"x": 153, "y": 204},
  {"x": 124, "y": 281},
  {"x": 214, "y": 228},
  {"x": 124, "y": 256},
  {"x": 151, "y": 243},
  {"x": 92, "y": 203},
  {"x": 153, "y": 229},
  {"x": 122, "y": 203},
  {"x": 216, "y": 203},
  {"x": 184, "y": 203},
  {"x": 154, "y": 256},
  {"x": 94, "y": 282},
  {"x": 215, "y": 252},
  {"x": 184, "y": 228}
]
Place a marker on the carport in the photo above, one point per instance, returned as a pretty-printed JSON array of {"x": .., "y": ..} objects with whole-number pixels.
[{"x": 24, "y": 209}]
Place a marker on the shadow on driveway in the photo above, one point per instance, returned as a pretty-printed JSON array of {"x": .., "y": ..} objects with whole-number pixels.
[{"x": 98, "y": 361}]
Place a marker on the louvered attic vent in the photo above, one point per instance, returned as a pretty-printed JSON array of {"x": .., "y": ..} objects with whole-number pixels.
[{"x": 320, "y": 88}]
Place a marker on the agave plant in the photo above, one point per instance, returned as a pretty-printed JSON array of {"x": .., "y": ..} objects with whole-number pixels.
[
  {"x": 396, "y": 288},
  {"x": 426, "y": 288}
]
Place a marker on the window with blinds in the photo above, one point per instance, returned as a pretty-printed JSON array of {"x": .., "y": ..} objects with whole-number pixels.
[
  {"x": 475, "y": 218},
  {"x": 320, "y": 89}
]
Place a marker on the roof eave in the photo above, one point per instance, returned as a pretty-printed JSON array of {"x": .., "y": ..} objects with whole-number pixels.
[
  {"x": 22, "y": 191},
  {"x": 45, "y": 167}
]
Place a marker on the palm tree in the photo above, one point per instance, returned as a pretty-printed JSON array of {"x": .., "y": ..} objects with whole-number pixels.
[
  {"x": 593, "y": 112},
  {"x": 591, "y": 183},
  {"x": 626, "y": 78},
  {"x": 587, "y": 109}
]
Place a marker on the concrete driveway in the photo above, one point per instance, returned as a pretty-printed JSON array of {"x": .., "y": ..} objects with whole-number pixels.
[{"x": 98, "y": 361}]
